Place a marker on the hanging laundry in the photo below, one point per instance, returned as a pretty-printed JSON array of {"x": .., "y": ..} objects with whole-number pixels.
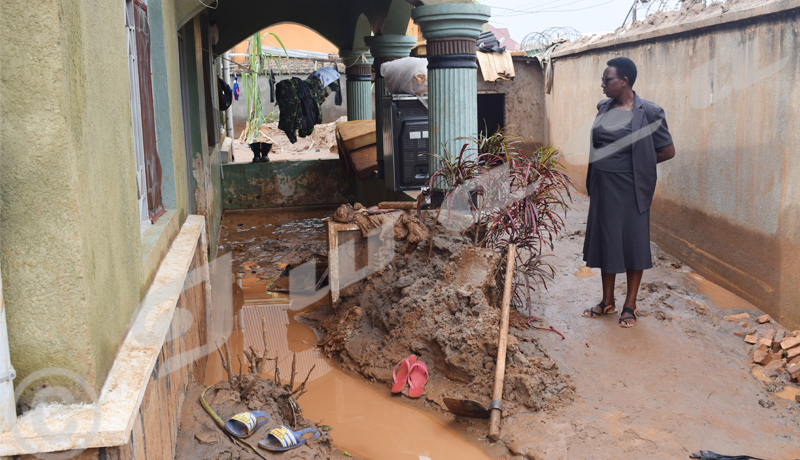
[
  {"x": 272, "y": 81},
  {"x": 236, "y": 88},
  {"x": 327, "y": 75},
  {"x": 300, "y": 104},
  {"x": 224, "y": 95}
]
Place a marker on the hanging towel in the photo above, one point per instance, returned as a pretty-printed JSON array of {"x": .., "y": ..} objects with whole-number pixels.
[
  {"x": 271, "y": 86},
  {"x": 546, "y": 61},
  {"x": 327, "y": 75}
]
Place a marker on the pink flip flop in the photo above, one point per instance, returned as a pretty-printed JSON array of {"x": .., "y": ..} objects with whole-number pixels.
[
  {"x": 417, "y": 378},
  {"x": 404, "y": 368}
]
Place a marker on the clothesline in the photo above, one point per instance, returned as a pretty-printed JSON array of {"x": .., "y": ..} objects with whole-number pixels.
[{"x": 245, "y": 68}]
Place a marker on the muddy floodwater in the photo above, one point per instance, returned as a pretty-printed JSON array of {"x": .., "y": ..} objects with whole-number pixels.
[{"x": 366, "y": 420}]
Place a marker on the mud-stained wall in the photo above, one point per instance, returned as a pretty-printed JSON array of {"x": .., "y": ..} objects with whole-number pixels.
[
  {"x": 524, "y": 100},
  {"x": 286, "y": 183},
  {"x": 72, "y": 251},
  {"x": 729, "y": 202},
  {"x": 155, "y": 428},
  {"x": 70, "y": 230}
]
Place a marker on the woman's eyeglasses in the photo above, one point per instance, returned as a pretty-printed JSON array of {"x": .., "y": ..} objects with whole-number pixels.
[{"x": 605, "y": 79}]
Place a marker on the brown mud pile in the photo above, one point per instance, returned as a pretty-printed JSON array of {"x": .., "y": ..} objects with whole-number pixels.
[
  {"x": 200, "y": 438},
  {"x": 446, "y": 311}
]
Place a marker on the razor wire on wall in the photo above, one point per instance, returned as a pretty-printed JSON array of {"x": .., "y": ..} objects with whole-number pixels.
[{"x": 537, "y": 42}]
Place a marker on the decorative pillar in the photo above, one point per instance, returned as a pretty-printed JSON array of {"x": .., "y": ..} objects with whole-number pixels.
[
  {"x": 451, "y": 30},
  {"x": 385, "y": 48},
  {"x": 358, "y": 64}
]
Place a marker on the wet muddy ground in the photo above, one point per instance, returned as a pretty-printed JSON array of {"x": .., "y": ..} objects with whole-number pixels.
[
  {"x": 678, "y": 382},
  {"x": 367, "y": 421}
]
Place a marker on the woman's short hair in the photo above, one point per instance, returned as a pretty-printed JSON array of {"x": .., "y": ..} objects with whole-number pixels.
[{"x": 625, "y": 68}]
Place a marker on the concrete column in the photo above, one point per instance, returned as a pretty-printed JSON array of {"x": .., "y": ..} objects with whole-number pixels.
[
  {"x": 358, "y": 64},
  {"x": 451, "y": 30},
  {"x": 385, "y": 48}
]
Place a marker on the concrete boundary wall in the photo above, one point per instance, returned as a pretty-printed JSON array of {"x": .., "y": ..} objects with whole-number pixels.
[
  {"x": 729, "y": 203},
  {"x": 286, "y": 183}
]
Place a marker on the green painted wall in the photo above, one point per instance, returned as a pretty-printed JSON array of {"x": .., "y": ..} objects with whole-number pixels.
[
  {"x": 206, "y": 165},
  {"x": 72, "y": 253},
  {"x": 70, "y": 235},
  {"x": 286, "y": 183},
  {"x": 161, "y": 102},
  {"x": 175, "y": 114}
]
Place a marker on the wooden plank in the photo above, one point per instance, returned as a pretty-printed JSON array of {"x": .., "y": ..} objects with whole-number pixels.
[
  {"x": 365, "y": 161},
  {"x": 397, "y": 205},
  {"x": 333, "y": 255},
  {"x": 356, "y": 134},
  {"x": 344, "y": 159}
]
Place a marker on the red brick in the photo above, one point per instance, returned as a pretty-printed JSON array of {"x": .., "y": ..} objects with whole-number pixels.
[
  {"x": 763, "y": 319},
  {"x": 738, "y": 317},
  {"x": 793, "y": 353},
  {"x": 765, "y": 341},
  {"x": 751, "y": 339},
  {"x": 761, "y": 355},
  {"x": 794, "y": 370},
  {"x": 790, "y": 342},
  {"x": 770, "y": 334},
  {"x": 774, "y": 368}
]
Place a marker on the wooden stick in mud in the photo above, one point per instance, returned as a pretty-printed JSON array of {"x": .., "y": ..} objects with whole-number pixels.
[
  {"x": 294, "y": 368},
  {"x": 500, "y": 371},
  {"x": 221, "y": 424},
  {"x": 228, "y": 360},
  {"x": 433, "y": 232},
  {"x": 301, "y": 389},
  {"x": 397, "y": 205},
  {"x": 264, "y": 337},
  {"x": 223, "y": 350}
]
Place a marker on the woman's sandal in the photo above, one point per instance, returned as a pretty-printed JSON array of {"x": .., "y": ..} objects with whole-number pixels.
[
  {"x": 605, "y": 310},
  {"x": 625, "y": 322}
]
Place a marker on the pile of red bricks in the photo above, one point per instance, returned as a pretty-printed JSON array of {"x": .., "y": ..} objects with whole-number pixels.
[{"x": 778, "y": 351}]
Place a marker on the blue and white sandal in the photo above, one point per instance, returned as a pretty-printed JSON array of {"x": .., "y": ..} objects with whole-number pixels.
[
  {"x": 244, "y": 424},
  {"x": 283, "y": 438}
]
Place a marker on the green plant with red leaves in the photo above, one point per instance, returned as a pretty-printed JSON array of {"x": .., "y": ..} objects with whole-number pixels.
[{"x": 521, "y": 202}]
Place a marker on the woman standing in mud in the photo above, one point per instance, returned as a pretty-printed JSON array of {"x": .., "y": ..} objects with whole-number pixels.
[{"x": 629, "y": 137}]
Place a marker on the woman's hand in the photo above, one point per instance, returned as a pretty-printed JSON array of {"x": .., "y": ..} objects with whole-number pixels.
[{"x": 665, "y": 153}]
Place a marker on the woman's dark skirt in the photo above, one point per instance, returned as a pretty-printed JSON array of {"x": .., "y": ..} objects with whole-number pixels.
[{"x": 617, "y": 235}]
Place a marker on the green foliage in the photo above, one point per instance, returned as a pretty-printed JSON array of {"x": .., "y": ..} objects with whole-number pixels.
[
  {"x": 258, "y": 60},
  {"x": 513, "y": 196}
]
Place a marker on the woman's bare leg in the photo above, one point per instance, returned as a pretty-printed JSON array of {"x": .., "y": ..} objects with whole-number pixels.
[
  {"x": 634, "y": 280},
  {"x": 609, "y": 279},
  {"x": 608, "y": 294}
]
